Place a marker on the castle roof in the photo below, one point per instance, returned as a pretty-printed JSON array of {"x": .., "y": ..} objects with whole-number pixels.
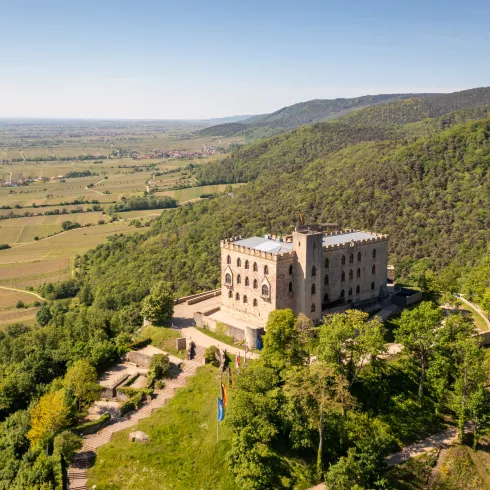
[
  {"x": 266, "y": 244},
  {"x": 352, "y": 236}
]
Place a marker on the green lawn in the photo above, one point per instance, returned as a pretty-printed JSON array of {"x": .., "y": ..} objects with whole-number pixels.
[
  {"x": 163, "y": 338},
  {"x": 220, "y": 337},
  {"x": 480, "y": 323},
  {"x": 183, "y": 452}
]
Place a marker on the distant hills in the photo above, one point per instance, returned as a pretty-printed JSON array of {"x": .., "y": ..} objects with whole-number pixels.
[
  {"x": 369, "y": 109},
  {"x": 224, "y": 120}
]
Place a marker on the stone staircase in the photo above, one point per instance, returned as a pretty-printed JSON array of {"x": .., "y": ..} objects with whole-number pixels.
[{"x": 77, "y": 472}]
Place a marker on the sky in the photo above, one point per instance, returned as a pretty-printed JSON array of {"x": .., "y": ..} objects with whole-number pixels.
[{"x": 186, "y": 59}]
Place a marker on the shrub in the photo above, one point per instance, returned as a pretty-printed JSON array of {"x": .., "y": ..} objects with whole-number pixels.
[
  {"x": 36, "y": 238},
  {"x": 4, "y": 246},
  {"x": 211, "y": 355},
  {"x": 20, "y": 304}
]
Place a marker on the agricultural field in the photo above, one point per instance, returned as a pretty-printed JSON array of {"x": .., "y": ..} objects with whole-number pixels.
[
  {"x": 50, "y": 259},
  {"x": 9, "y": 298},
  {"x": 22, "y": 230},
  {"x": 191, "y": 193},
  {"x": 18, "y": 315}
]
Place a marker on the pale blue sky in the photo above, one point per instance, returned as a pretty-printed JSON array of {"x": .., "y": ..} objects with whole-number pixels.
[{"x": 190, "y": 59}]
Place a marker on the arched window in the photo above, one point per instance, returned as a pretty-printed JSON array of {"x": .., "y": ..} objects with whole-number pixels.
[
  {"x": 291, "y": 270},
  {"x": 255, "y": 268},
  {"x": 255, "y": 302},
  {"x": 313, "y": 307},
  {"x": 256, "y": 284},
  {"x": 343, "y": 260},
  {"x": 326, "y": 299},
  {"x": 227, "y": 278},
  {"x": 230, "y": 294},
  {"x": 325, "y": 280},
  {"x": 265, "y": 290},
  {"x": 358, "y": 272},
  {"x": 237, "y": 296},
  {"x": 358, "y": 289},
  {"x": 228, "y": 260},
  {"x": 342, "y": 277},
  {"x": 351, "y": 258},
  {"x": 245, "y": 299},
  {"x": 247, "y": 282},
  {"x": 359, "y": 256},
  {"x": 350, "y": 291},
  {"x": 342, "y": 294},
  {"x": 266, "y": 270},
  {"x": 372, "y": 286},
  {"x": 313, "y": 289},
  {"x": 247, "y": 266},
  {"x": 290, "y": 287},
  {"x": 314, "y": 244},
  {"x": 238, "y": 279},
  {"x": 313, "y": 271},
  {"x": 351, "y": 274},
  {"x": 374, "y": 253},
  {"x": 373, "y": 269},
  {"x": 327, "y": 262},
  {"x": 238, "y": 262}
]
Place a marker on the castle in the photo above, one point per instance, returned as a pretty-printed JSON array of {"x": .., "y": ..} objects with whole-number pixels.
[{"x": 313, "y": 270}]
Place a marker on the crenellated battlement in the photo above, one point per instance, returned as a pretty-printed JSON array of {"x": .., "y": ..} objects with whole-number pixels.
[{"x": 229, "y": 244}]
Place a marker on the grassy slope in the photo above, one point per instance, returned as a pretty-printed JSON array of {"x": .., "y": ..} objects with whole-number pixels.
[
  {"x": 182, "y": 452},
  {"x": 163, "y": 338}
]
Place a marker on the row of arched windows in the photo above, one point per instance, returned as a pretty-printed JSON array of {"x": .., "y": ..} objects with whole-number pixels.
[
  {"x": 351, "y": 258},
  {"x": 245, "y": 299},
  {"x": 255, "y": 267}
]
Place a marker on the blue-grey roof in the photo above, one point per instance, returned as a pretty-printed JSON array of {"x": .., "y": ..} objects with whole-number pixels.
[
  {"x": 276, "y": 247},
  {"x": 264, "y": 244},
  {"x": 347, "y": 237}
]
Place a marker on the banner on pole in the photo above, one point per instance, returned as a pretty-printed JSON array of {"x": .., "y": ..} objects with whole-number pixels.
[
  {"x": 221, "y": 410},
  {"x": 223, "y": 394}
]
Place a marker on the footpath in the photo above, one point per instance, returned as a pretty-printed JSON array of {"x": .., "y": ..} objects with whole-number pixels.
[{"x": 81, "y": 462}]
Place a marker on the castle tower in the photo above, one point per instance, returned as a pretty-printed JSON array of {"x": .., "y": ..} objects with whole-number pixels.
[{"x": 308, "y": 273}]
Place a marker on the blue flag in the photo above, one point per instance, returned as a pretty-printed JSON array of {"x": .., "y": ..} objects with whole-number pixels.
[
  {"x": 221, "y": 410},
  {"x": 259, "y": 344}
]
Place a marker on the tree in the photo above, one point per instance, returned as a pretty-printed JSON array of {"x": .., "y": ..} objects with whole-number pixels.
[
  {"x": 349, "y": 340},
  {"x": 471, "y": 378},
  {"x": 479, "y": 412},
  {"x": 158, "y": 306},
  {"x": 43, "y": 316},
  {"x": 282, "y": 345},
  {"x": 48, "y": 416},
  {"x": 67, "y": 444},
  {"x": 306, "y": 330},
  {"x": 315, "y": 393},
  {"x": 417, "y": 333},
  {"x": 81, "y": 381}
]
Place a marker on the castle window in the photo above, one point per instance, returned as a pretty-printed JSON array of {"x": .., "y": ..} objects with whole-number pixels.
[
  {"x": 342, "y": 277},
  {"x": 342, "y": 293},
  {"x": 227, "y": 278},
  {"x": 313, "y": 271},
  {"x": 313, "y": 289},
  {"x": 325, "y": 280},
  {"x": 351, "y": 274},
  {"x": 358, "y": 289},
  {"x": 314, "y": 244},
  {"x": 373, "y": 269},
  {"x": 256, "y": 284},
  {"x": 266, "y": 270},
  {"x": 291, "y": 270},
  {"x": 247, "y": 282},
  {"x": 343, "y": 260},
  {"x": 255, "y": 302},
  {"x": 265, "y": 291},
  {"x": 358, "y": 272},
  {"x": 255, "y": 268},
  {"x": 228, "y": 260},
  {"x": 359, "y": 256},
  {"x": 247, "y": 265},
  {"x": 290, "y": 287},
  {"x": 351, "y": 258},
  {"x": 238, "y": 262},
  {"x": 313, "y": 307},
  {"x": 245, "y": 299},
  {"x": 238, "y": 279},
  {"x": 237, "y": 296},
  {"x": 230, "y": 294},
  {"x": 350, "y": 291},
  {"x": 374, "y": 253},
  {"x": 327, "y": 262},
  {"x": 326, "y": 299},
  {"x": 372, "y": 286}
]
